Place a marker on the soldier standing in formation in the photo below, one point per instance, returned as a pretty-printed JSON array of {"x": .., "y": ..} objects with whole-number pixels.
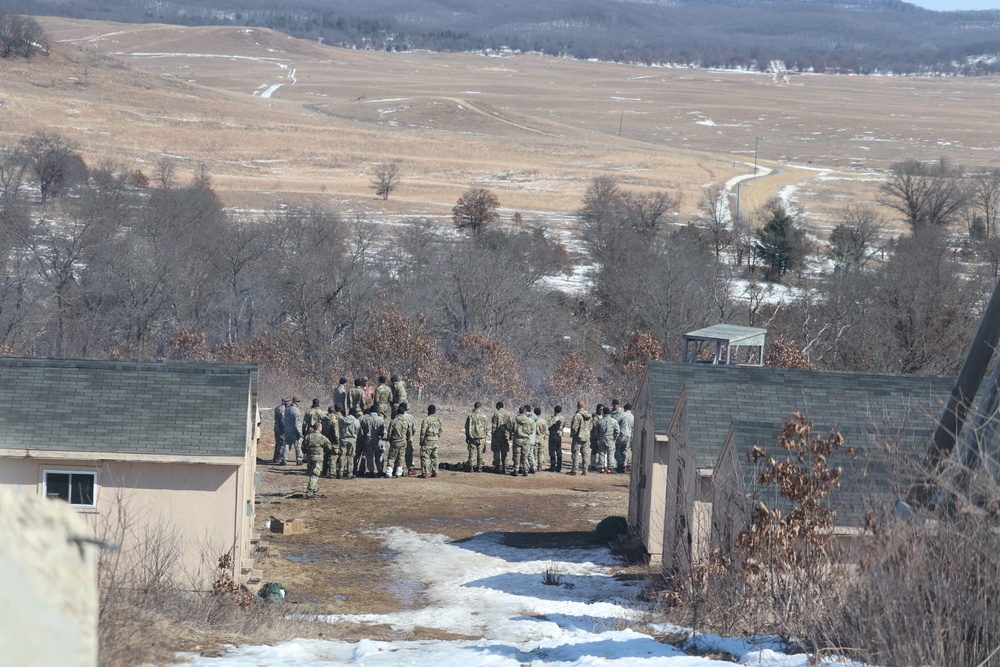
[
  {"x": 541, "y": 436},
  {"x": 383, "y": 399},
  {"x": 501, "y": 426},
  {"x": 607, "y": 431},
  {"x": 626, "y": 423},
  {"x": 279, "y": 430},
  {"x": 340, "y": 393},
  {"x": 477, "y": 429},
  {"x": 579, "y": 431},
  {"x": 430, "y": 435},
  {"x": 314, "y": 415},
  {"x": 347, "y": 461},
  {"x": 370, "y": 437},
  {"x": 524, "y": 428},
  {"x": 556, "y": 425},
  {"x": 398, "y": 393},
  {"x": 315, "y": 444},
  {"x": 399, "y": 433},
  {"x": 356, "y": 398},
  {"x": 331, "y": 429},
  {"x": 293, "y": 432}
]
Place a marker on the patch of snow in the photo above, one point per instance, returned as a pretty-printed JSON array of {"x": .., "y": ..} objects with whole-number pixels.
[
  {"x": 270, "y": 91},
  {"x": 482, "y": 588}
]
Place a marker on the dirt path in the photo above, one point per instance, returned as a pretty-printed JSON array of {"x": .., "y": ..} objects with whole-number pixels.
[{"x": 339, "y": 565}]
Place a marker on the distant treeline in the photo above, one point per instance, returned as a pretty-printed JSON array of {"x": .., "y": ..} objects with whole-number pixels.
[{"x": 859, "y": 36}]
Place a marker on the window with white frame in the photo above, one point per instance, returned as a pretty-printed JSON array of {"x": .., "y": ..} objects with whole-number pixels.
[{"x": 76, "y": 487}]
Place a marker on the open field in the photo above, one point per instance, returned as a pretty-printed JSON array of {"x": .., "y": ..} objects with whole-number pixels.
[{"x": 280, "y": 119}]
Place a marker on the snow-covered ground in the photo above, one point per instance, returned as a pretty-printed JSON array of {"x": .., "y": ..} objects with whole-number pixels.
[{"x": 484, "y": 589}]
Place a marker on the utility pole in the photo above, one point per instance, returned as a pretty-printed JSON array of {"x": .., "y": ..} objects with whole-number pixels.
[
  {"x": 620, "y": 123},
  {"x": 756, "y": 144}
]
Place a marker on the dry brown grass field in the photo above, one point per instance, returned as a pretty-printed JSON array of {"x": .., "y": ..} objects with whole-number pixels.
[{"x": 280, "y": 119}]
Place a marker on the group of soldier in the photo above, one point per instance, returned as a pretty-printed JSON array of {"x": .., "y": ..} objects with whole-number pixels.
[{"x": 369, "y": 431}]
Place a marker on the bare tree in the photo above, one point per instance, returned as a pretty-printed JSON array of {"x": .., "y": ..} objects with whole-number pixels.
[
  {"x": 853, "y": 241},
  {"x": 166, "y": 172},
  {"x": 386, "y": 179},
  {"x": 20, "y": 36},
  {"x": 54, "y": 161},
  {"x": 927, "y": 195},
  {"x": 475, "y": 209},
  {"x": 982, "y": 211},
  {"x": 715, "y": 210}
]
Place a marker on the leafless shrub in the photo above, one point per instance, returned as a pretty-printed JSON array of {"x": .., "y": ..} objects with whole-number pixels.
[
  {"x": 144, "y": 593},
  {"x": 552, "y": 577}
]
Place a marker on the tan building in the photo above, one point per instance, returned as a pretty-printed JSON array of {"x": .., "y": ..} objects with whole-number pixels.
[
  {"x": 158, "y": 457},
  {"x": 691, "y": 483}
]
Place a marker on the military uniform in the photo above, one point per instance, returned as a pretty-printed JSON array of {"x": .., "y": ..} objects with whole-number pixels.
[
  {"x": 348, "y": 426},
  {"x": 279, "y": 431},
  {"x": 293, "y": 434},
  {"x": 400, "y": 432},
  {"x": 625, "y": 424},
  {"x": 501, "y": 426},
  {"x": 409, "y": 442},
  {"x": 331, "y": 429},
  {"x": 398, "y": 395},
  {"x": 606, "y": 433},
  {"x": 314, "y": 415},
  {"x": 370, "y": 437},
  {"x": 580, "y": 433},
  {"x": 524, "y": 428},
  {"x": 340, "y": 396},
  {"x": 383, "y": 401},
  {"x": 355, "y": 400},
  {"x": 541, "y": 435},
  {"x": 556, "y": 425},
  {"x": 430, "y": 435},
  {"x": 477, "y": 429},
  {"x": 314, "y": 445}
]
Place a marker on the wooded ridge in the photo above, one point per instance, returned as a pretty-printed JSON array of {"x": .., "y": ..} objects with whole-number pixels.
[{"x": 845, "y": 36}]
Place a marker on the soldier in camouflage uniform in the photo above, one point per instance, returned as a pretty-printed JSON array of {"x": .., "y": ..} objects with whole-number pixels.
[
  {"x": 314, "y": 445},
  {"x": 293, "y": 432},
  {"x": 400, "y": 432},
  {"x": 607, "y": 430},
  {"x": 626, "y": 423},
  {"x": 430, "y": 435},
  {"x": 477, "y": 429},
  {"x": 279, "y": 430},
  {"x": 531, "y": 445},
  {"x": 348, "y": 425},
  {"x": 383, "y": 399},
  {"x": 556, "y": 425},
  {"x": 340, "y": 393},
  {"x": 356, "y": 398},
  {"x": 541, "y": 435},
  {"x": 314, "y": 415},
  {"x": 370, "y": 437},
  {"x": 595, "y": 445},
  {"x": 524, "y": 428},
  {"x": 331, "y": 429},
  {"x": 501, "y": 427},
  {"x": 398, "y": 393},
  {"x": 579, "y": 431}
]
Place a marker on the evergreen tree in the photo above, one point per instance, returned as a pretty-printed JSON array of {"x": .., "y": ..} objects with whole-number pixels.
[{"x": 781, "y": 245}]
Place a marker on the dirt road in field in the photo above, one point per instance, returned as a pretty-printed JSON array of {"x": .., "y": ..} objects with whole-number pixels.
[{"x": 339, "y": 565}]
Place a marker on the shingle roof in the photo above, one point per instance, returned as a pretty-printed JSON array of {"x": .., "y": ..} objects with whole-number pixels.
[
  {"x": 188, "y": 409},
  {"x": 755, "y": 396},
  {"x": 864, "y": 408}
]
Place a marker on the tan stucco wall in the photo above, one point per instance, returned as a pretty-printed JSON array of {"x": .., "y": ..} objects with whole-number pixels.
[
  {"x": 200, "y": 507},
  {"x": 48, "y": 572}
]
